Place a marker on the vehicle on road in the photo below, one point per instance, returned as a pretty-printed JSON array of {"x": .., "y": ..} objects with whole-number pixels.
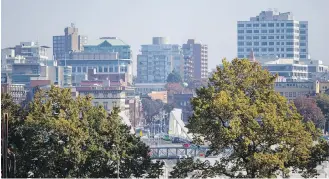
[
  {"x": 186, "y": 145},
  {"x": 166, "y": 137}
]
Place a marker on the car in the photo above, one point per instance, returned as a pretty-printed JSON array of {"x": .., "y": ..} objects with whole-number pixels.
[
  {"x": 176, "y": 140},
  {"x": 166, "y": 138},
  {"x": 186, "y": 145}
]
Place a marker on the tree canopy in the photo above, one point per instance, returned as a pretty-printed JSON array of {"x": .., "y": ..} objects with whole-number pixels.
[
  {"x": 259, "y": 133},
  {"x": 174, "y": 77},
  {"x": 322, "y": 101},
  {"x": 309, "y": 110},
  {"x": 65, "y": 137}
]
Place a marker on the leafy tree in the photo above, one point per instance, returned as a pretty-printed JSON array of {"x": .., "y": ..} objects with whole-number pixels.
[
  {"x": 151, "y": 108},
  {"x": 174, "y": 77},
  {"x": 322, "y": 101},
  {"x": 241, "y": 113},
  {"x": 65, "y": 137},
  {"x": 308, "y": 108}
]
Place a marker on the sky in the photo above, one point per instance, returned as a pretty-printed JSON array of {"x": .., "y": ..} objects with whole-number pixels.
[{"x": 211, "y": 22}]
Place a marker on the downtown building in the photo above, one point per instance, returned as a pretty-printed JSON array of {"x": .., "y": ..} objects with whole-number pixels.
[
  {"x": 158, "y": 60},
  {"x": 273, "y": 34},
  {"x": 195, "y": 60},
  {"x": 71, "y": 41}
]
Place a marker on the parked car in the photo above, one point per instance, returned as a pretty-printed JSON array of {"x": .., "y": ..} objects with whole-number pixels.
[{"x": 186, "y": 145}]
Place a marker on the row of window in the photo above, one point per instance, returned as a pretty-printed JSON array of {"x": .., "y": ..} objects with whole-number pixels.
[
  {"x": 269, "y": 49},
  {"x": 268, "y": 43},
  {"x": 289, "y": 24},
  {"x": 100, "y": 69},
  {"x": 277, "y": 54},
  {"x": 271, "y": 31},
  {"x": 271, "y": 37},
  {"x": 294, "y": 94}
]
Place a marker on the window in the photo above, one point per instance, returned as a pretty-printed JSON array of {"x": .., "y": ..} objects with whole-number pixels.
[
  {"x": 240, "y": 31},
  {"x": 248, "y": 25},
  {"x": 282, "y": 24},
  {"x": 289, "y": 30},
  {"x": 271, "y": 43},
  {"x": 248, "y": 37},
  {"x": 105, "y": 69},
  {"x": 290, "y": 37},
  {"x": 302, "y": 56},
  {"x": 111, "y": 69},
  {"x": 264, "y": 49},
  {"x": 290, "y": 55},
  {"x": 240, "y": 56},
  {"x": 100, "y": 69},
  {"x": 263, "y": 37},
  {"x": 270, "y": 25},
  {"x": 271, "y": 31},
  {"x": 240, "y": 37},
  {"x": 256, "y": 31},
  {"x": 240, "y": 25},
  {"x": 302, "y": 37},
  {"x": 303, "y": 50},
  {"x": 270, "y": 37},
  {"x": 73, "y": 69},
  {"x": 256, "y": 43},
  {"x": 95, "y": 103},
  {"x": 278, "y": 24},
  {"x": 264, "y": 43},
  {"x": 282, "y": 36},
  {"x": 302, "y": 44},
  {"x": 282, "y": 30},
  {"x": 303, "y": 25},
  {"x": 264, "y": 31},
  {"x": 282, "y": 43},
  {"x": 255, "y": 25},
  {"x": 277, "y": 30},
  {"x": 84, "y": 69},
  {"x": 255, "y": 37},
  {"x": 79, "y": 69},
  {"x": 256, "y": 49},
  {"x": 263, "y": 25},
  {"x": 289, "y": 43},
  {"x": 240, "y": 49},
  {"x": 302, "y": 32},
  {"x": 289, "y": 24},
  {"x": 249, "y": 31},
  {"x": 289, "y": 49},
  {"x": 277, "y": 37},
  {"x": 105, "y": 105},
  {"x": 249, "y": 43},
  {"x": 241, "y": 43},
  {"x": 271, "y": 49},
  {"x": 282, "y": 49}
]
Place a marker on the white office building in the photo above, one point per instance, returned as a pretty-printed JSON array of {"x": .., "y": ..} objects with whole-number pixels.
[
  {"x": 272, "y": 33},
  {"x": 158, "y": 60}
]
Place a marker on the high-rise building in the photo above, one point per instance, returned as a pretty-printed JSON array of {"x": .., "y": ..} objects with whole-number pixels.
[
  {"x": 33, "y": 53},
  {"x": 273, "y": 34},
  {"x": 196, "y": 59},
  {"x": 71, "y": 41},
  {"x": 158, "y": 60}
]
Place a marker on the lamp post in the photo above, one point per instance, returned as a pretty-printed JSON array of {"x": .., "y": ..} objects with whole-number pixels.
[{"x": 118, "y": 164}]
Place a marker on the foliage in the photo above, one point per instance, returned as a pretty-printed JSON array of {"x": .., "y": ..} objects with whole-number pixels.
[
  {"x": 308, "y": 108},
  {"x": 241, "y": 113},
  {"x": 174, "y": 77},
  {"x": 322, "y": 101},
  {"x": 65, "y": 137},
  {"x": 151, "y": 108}
]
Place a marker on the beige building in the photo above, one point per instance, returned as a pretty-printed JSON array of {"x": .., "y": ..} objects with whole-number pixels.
[
  {"x": 108, "y": 97},
  {"x": 161, "y": 95},
  {"x": 292, "y": 90}
]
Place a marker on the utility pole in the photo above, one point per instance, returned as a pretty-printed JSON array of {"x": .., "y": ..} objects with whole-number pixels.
[{"x": 5, "y": 145}]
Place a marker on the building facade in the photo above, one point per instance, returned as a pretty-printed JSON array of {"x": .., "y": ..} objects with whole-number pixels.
[
  {"x": 71, "y": 41},
  {"x": 196, "y": 60},
  {"x": 273, "y": 34},
  {"x": 158, "y": 60},
  {"x": 108, "y": 56}
]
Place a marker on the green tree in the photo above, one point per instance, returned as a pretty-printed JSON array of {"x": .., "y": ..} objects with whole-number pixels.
[
  {"x": 151, "y": 108},
  {"x": 65, "y": 137},
  {"x": 174, "y": 77},
  {"x": 322, "y": 101},
  {"x": 241, "y": 113}
]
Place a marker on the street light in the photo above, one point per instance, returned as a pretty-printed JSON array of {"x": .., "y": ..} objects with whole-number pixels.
[{"x": 118, "y": 164}]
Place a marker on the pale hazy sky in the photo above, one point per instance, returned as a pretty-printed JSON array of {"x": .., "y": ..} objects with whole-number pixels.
[{"x": 212, "y": 22}]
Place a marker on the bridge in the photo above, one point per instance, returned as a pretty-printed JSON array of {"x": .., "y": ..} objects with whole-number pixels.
[
  {"x": 177, "y": 126},
  {"x": 176, "y": 152}
]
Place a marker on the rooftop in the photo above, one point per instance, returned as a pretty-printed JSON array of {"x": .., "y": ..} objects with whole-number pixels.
[{"x": 110, "y": 40}]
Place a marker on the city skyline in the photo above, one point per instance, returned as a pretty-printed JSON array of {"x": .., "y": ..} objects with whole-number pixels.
[{"x": 212, "y": 23}]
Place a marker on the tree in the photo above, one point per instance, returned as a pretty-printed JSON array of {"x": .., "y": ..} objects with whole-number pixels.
[
  {"x": 308, "y": 108},
  {"x": 65, "y": 137},
  {"x": 322, "y": 101},
  {"x": 258, "y": 130},
  {"x": 174, "y": 77},
  {"x": 151, "y": 108}
]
